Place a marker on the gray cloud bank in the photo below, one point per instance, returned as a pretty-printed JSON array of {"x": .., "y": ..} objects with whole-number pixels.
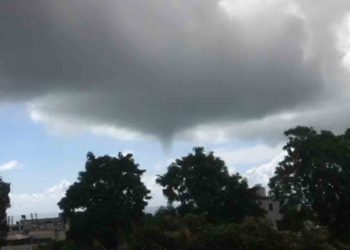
[{"x": 164, "y": 68}]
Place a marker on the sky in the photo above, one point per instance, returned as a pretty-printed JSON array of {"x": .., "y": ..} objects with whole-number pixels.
[{"x": 156, "y": 78}]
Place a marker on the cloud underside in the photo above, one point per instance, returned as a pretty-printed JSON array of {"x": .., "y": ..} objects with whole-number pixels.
[
  {"x": 7, "y": 166},
  {"x": 176, "y": 68}
]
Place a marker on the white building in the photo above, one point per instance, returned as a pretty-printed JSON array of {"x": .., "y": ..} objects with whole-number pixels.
[
  {"x": 271, "y": 207},
  {"x": 28, "y": 234}
]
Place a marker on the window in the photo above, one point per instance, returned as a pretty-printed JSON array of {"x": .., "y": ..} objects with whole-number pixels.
[{"x": 270, "y": 206}]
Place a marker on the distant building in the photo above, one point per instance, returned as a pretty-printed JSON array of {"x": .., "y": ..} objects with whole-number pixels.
[
  {"x": 271, "y": 207},
  {"x": 28, "y": 234}
]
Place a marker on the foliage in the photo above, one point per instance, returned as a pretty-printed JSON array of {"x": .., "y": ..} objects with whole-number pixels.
[
  {"x": 194, "y": 232},
  {"x": 168, "y": 210},
  {"x": 4, "y": 205},
  {"x": 170, "y": 232},
  {"x": 296, "y": 219},
  {"x": 315, "y": 176},
  {"x": 106, "y": 201},
  {"x": 200, "y": 183}
]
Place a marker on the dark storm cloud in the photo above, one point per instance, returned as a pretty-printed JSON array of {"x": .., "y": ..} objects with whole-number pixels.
[{"x": 157, "y": 67}]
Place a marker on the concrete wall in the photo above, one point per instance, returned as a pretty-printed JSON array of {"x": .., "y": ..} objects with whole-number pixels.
[
  {"x": 48, "y": 234},
  {"x": 272, "y": 209},
  {"x": 20, "y": 247}
]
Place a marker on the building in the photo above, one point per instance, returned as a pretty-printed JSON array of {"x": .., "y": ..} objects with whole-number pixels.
[
  {"x": 28, "y": 234},
  {"x": 271, "y": 207},
  {"x": 21, "y": 242}
]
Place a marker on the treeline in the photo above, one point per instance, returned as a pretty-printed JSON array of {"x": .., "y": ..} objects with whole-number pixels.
[{"x": 209, "y": 208}]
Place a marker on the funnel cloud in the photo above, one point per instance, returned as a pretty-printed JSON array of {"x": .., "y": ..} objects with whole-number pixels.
[{"x": 170, "y": 69}]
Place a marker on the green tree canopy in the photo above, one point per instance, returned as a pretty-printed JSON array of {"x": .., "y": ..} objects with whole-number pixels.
[
  {"x": 194, "y": 232},
  {"x": 4, "y": 205},
  {"x": 315, "y": 175},
  {"x": 201, "y": 183},
  {"x": 108, "y": 198}
]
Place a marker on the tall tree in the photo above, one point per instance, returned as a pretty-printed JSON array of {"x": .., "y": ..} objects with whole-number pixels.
[
  {"x": 106, "y": 201},
  {"x": 200, "y": 182},
  {"x": 4, "y": 205},
  {"x": 315, "y": 176}
]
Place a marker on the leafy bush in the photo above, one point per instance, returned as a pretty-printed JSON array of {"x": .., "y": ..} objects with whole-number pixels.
[{"x": 194, "y": 232}]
